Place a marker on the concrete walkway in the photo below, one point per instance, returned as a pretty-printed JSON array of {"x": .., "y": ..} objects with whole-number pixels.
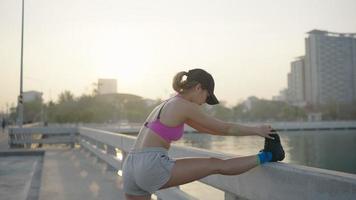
[
  {"x": 66, "y": 174},
  {"x": 74, "y": 174},
  {"x": 16, "y": 176}
]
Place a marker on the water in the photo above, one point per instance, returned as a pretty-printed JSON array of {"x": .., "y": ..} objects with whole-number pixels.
[{"x": 333, "y": 150}]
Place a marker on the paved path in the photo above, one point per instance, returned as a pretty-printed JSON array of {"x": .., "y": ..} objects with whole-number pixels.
[
  {"x": 73, "y": 174},
  {"x": 16, "y": 174},
  {"x": 66, "y": 174}
]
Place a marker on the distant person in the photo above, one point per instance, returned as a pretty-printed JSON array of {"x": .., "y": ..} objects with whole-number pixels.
[{"x": 148, "y": 168}]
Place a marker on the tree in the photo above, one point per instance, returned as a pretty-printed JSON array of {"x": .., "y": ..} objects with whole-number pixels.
[
  {"x": 33, "y": 111},
  {"x": 266, "y": 110},
  {"x": 65, "y": 97}
]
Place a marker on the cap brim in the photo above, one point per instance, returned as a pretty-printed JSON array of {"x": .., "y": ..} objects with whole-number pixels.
[{"x": 212, "y": 100}]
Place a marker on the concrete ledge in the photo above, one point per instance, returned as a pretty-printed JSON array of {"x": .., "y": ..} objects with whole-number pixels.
[
  {"x": 43, "y": 130},
  {"x": 279, "y": 180},
  {"x": 174, "y": 193},
  {"x": 24, "y": 178},
  {"x": 62, "y": 140},
  {"x": 22, "y": 152},
  {"x": 35, "y": 186}
]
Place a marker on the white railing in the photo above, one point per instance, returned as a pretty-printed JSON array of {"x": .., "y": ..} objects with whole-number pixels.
[
  {"x": 311, "y": 126},
  {"x": 280, "y": 126},
  {"x": 22, "y": 137},
  {"x": 270, "y": 181}
]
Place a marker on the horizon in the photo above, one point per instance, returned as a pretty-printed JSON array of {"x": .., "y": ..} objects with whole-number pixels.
[{"x": 247, "y": 47}]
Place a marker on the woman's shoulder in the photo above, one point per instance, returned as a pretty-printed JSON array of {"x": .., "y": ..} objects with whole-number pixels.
[
  {"x": 184, "y": 106},
  {"x": 183, "y": 102}
]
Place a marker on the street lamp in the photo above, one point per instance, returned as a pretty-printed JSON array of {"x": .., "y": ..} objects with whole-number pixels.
[{"x": 20, "y": 98}]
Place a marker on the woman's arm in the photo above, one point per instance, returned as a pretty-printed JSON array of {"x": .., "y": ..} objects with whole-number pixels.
[
  {"x": 208, "y": 124},
  {"x": 200, "y": 128}
]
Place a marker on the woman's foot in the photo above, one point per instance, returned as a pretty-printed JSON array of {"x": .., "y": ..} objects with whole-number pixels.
[{"x": 275, "y": 147}]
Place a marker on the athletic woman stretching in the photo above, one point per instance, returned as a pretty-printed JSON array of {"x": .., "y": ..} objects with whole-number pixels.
[{"x": 147, "y": 167}]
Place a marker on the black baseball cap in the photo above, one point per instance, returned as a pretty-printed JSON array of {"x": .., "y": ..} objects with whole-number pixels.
[{"x": 206, "y": 81}]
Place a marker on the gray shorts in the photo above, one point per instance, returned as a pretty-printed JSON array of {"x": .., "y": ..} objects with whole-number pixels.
[{"x": 145, "y": 171}]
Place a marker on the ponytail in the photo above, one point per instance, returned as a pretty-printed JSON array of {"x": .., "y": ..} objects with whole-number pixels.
[{"x": 180, "y": 85}]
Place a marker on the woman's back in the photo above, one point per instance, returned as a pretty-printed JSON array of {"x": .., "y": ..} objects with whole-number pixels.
[{"x": 169, "y": 115}]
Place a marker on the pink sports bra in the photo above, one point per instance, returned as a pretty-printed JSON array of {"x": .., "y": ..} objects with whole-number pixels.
[{"x": 166, "y": 132}]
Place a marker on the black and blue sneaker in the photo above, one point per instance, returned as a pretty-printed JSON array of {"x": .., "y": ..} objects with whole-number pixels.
[{"x": 275, "y": 147}]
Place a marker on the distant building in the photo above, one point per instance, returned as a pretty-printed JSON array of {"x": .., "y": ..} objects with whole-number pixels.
[
  {"x": 31, "y": 96},
  {"x": 107, "y": 86},
  {"x": 248, "y": 103},
  {"x": 289, "y": 97},
  {"x": 296, "y": 82},
  {"x": 282, "y": 96},
  {"x": 327, "y": 72},
  {"x": 330, "y": 67}
]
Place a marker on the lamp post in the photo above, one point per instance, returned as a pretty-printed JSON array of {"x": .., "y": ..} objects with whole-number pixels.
[{"x": 20, "y": 98}]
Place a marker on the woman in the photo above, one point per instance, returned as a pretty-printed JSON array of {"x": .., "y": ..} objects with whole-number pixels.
[{"x": 147, "y": 168}]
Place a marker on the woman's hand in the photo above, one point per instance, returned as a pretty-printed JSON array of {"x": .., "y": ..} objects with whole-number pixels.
[{"x": 264, "y": 131}]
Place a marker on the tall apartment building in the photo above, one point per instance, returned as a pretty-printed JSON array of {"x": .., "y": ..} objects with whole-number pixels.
[
  {"x": 296, "y": 82},
  {"x": 107, "y": 86},
  {"x": 330, "y": 67}
]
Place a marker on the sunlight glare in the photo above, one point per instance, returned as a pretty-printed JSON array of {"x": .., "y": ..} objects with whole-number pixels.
[{"x": 129, "y": 67}]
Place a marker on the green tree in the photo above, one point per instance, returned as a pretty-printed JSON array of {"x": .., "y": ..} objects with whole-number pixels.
[
  {"x": 65, "y": 97},
  {"x": 33, "y": 111}
]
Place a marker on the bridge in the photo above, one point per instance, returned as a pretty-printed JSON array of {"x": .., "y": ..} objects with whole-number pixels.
[{"x": 86, "y": 163}]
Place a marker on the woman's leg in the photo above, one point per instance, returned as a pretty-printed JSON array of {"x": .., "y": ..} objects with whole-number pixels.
[{"x": 187, "y": 170}]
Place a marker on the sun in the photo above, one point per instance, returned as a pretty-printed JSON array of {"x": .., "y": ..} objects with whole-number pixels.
[
  {"x": 126, "y": 76},
  {"x": 129, "y": 72},
  {"x": 127, "y": 59}
]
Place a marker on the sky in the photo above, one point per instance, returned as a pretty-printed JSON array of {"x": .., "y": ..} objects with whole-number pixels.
[{"x": 246, "y": 45}]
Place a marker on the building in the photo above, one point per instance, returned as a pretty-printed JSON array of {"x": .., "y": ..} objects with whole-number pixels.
[
  {"x": 107, "y": 86},
  {"x": 296, "y": 82},
  {"x": 31, "y": 96},
  {"x": 282, "y": 96},
  {"x": 248, "y": 103},
  {"x": 330, "y": 67},
  {"x": 289, "y": 97}
]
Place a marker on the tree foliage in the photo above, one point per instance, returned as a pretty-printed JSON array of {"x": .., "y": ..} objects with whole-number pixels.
[
  {"x": 111, "y": 108},
  {"x": 98, "y": 108},
  {"x": 266, "y": 110}
]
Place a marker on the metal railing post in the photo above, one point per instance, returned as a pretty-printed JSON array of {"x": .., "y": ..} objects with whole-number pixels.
[{"x": 110, "y": 150}]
